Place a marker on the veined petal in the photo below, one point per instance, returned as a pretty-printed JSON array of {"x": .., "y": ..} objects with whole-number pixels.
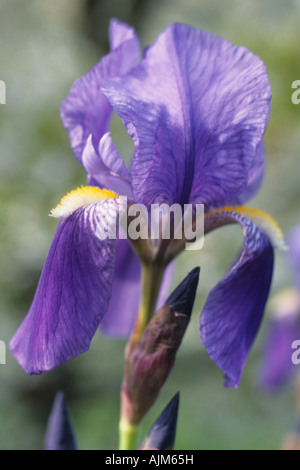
[
  {"x": 124, "y": 302},
  {"x": 268, "y": 225},
  {"x": 197, "y": 108},
  {"x": 255, "y": 177},
  {"x": 73, "y": 292},
  {"x": 234, "y": 308},
  {"x": 86, "y": 111}
]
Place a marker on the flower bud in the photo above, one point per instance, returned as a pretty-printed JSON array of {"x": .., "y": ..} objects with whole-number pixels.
[
  {"x": 59, "y": 434},
  {"x": 149, "y": 362},
  {"x": 163, "y": 432}
]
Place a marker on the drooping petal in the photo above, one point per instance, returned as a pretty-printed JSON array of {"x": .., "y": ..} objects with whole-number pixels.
[
  {"x": 86, "y": 111},
  {"x": 73, "y": 292},
  {"x": 105, "y": 167},
  {"x": 283, "y": 329},
  {"x": 234, "y": 308},
  {"x": 196, "y": 108},
  {"x": 124, "y": 302}
]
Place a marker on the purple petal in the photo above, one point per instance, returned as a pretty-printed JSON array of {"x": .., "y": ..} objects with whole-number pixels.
[
  {"x": 255, "y": 177},
  {"x": 72, "y": 295},
  {"x": 106, "y": 168},
  {"x": 125, "y": 298},
  {"x": 166, "y": 285},
  {"x": 196, "y": 108},
  {"x": 86, "y": 111},
  {"x": 234, "y": 308},
  {"x": 293, "y": 240},
  {"x": 283, "y": 328},
  {"x": 119, "y": 33},
  {"x": 124, "y": 302}
]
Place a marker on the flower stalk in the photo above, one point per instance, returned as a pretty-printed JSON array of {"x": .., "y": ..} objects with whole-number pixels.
[
  {"x": 150, "y": 285},
  {"x": 128, "y": 434},
  {"x": 150, "y": 357}
]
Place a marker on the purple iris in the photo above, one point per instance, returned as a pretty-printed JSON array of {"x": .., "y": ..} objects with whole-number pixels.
[{"x": 196, "y": 108}]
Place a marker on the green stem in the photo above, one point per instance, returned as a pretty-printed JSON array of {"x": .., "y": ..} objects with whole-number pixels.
[
  {"x": 152, "y": 274},
  {"x": 128, "y": 434},
  {"x": 151, "y": 280}
]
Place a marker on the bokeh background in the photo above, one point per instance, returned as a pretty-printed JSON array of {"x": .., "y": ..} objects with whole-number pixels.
[{"x": 44, "y": 47}]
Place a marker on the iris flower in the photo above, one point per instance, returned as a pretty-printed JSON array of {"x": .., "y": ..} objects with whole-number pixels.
[{"x": 196, "y": 107}]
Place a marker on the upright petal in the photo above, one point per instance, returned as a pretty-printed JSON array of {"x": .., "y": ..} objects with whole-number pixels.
[
  {"x": 105, "y": 167},
  {"x": 119, "y": 33},
  {"x": 73, "y": 292},
  {"x": 255, "y": 177},
  {"x": 234, "y": 308},
  {"x": 86, "y": 111},
  {"x": 196, "y": 108}
]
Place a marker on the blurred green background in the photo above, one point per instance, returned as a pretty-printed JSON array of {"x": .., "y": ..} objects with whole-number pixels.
[{"x": 44, "y": 47}]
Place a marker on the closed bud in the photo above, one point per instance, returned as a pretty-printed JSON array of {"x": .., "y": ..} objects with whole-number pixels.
[
  {"x": 149, "y": 362},
  {"x": 163, "y": 432},
  {"x": 60, "y": 434}
]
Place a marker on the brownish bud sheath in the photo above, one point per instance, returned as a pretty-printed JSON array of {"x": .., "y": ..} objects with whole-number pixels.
[{"x": 150, "y": 361}]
